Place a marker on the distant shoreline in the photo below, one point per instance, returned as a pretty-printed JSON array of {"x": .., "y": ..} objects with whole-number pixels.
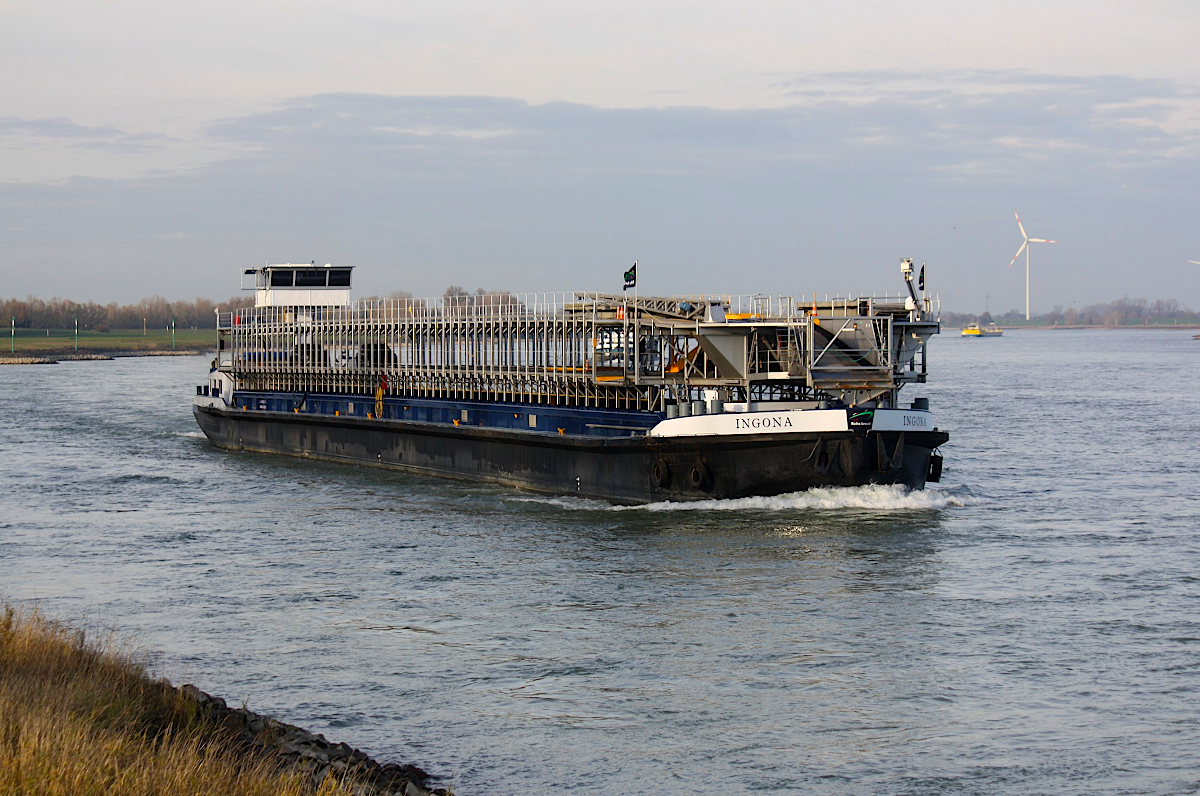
[
  {"x": 1147, "y": 328},
  {"x": 58, "y": 354},
  {"x": 52, "y": 357}
]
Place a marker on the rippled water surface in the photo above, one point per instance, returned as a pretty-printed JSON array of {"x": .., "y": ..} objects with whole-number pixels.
[{"x": 1030, "y": 625}]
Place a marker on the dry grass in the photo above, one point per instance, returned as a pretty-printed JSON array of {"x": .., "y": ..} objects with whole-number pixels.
[{"x": 84, "y": 717}]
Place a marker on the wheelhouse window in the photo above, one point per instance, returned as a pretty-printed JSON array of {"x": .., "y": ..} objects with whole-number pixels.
[
  {"x": 339, "y": 277},
  {"x": 281, "y": 278},
  {"x": 310, "y": 278}
]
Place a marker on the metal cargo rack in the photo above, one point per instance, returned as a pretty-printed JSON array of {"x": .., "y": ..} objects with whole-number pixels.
[{"x": 584, "y": 349}]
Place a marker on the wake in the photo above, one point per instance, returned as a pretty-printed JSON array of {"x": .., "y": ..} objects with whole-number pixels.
[{"x": 871, "y": 497}]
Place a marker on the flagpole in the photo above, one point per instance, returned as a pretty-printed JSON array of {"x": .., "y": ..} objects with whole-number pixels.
[
  {"x": 624, "y": 324},
  {"x": 636, "y": 340},
  {"x": 629, "y": 276}
]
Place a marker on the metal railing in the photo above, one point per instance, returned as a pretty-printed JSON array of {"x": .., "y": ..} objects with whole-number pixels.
[{"x": 586, "y": 349}]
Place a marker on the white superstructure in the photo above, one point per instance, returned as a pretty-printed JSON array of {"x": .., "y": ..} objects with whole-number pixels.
[{"x": 291, "y": 285}]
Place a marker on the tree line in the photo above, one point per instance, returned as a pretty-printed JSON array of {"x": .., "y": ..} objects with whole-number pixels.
[
  {"x": 155, "y": 313},
  {"x": 158, "y": 313},
  {"x": 1122, "y": 312}
]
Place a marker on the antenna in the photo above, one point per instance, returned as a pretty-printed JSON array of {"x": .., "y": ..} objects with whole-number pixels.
[{"x": 1025, "y": 248}]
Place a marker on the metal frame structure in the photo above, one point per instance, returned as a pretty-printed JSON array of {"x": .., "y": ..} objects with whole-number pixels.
[{"x": 584, "y": 349}]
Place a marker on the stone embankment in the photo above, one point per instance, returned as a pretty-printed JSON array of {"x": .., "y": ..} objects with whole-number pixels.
[
  {"x": 310, "y": 753},
  {"x": 17, "y": 359},
  {"x": 53, "y": 358}
]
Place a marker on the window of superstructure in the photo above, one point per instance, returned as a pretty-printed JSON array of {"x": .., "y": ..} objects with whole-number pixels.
[
  {"x": 310, "y": 278},
  {"x": 281, "y": 278},
  {"x": 339, "y": 277}
]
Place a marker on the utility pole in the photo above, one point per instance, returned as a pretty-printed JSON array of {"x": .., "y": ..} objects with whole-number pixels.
[
  {"x": 12, "y": 346},
  {"x": 143, "y": 327},
  {"x": 76, "y": 333}
]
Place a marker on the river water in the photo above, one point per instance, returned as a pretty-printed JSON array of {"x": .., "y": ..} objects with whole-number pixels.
[{"x": 1030, "y": 625}]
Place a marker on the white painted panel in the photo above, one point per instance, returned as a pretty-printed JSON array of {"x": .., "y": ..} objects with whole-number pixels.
[
  {"x": 302, "y": 297},
  {"x": 902, "y": 420},
  {"x": 792, "y": 422}
]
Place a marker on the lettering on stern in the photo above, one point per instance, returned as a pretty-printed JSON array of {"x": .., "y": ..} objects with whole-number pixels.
[{"x": 762, "y": 422}]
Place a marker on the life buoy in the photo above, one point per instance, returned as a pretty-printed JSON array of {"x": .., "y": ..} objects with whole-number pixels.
[{"x": 660, "y": 473}]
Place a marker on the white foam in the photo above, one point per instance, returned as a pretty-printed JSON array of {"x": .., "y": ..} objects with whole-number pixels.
[
  {"x": 874, "y": 497},
  {"x": 190, "y": 434},
  {"x": 569, "y": 503}
]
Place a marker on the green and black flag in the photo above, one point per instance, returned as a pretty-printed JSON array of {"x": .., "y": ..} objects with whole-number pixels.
[{"x": 631, "y": 276}]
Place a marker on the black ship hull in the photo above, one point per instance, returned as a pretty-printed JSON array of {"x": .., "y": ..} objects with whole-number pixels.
[{"x": 638, "y": 469}]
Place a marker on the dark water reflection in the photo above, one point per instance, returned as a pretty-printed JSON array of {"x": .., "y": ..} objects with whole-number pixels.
[{"x": 1029, "y": 626}]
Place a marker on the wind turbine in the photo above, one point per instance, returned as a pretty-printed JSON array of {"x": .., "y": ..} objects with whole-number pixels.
[
  {"x": 1194, "y": 262},
  {"x": 1025, "y": 248}
]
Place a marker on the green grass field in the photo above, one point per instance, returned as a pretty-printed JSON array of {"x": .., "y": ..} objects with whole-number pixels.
[{"x": 31, "y": 342}]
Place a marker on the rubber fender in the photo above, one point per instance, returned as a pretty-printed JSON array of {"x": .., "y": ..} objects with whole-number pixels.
[
  {"x": 820, "y": 458},
  {"x": 660, "y": 473},
  {"x": 698, "y": 476},
  {"x": 935, "y": 468}
]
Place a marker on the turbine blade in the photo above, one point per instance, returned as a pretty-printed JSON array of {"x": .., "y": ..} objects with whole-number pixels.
[
  {"x": 1041, "y": 240},
  {"x": 1020, "y": 226},
  {"x": 1194, "y": 262},
  {"x": 1018, "y": 254}
]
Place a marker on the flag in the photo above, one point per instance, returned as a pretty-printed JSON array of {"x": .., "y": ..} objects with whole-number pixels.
[
  {"x": 631, "y": 276},
  {"x": 921, "y": 278}
]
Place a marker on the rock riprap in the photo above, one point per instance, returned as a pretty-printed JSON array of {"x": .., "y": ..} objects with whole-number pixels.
[{"x": 311, "y": 753}]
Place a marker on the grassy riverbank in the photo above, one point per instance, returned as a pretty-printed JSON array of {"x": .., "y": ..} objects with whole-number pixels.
[
  {"x": 46, "y": 342},
  {"x": 81, "y": 716}
]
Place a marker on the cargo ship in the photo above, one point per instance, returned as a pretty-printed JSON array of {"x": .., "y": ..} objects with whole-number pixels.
[{"x": 619, "y": 397}]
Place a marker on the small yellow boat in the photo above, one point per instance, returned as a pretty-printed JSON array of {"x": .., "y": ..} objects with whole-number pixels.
[{"x": 975, "y": 330}]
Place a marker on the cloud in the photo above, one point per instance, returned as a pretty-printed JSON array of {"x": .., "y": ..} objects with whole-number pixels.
[
  {"x": 1013, "y": 117},
  {"x": 860, "y": 169},
  {"x": 1020, "y": 125},
  {"x": 54, "y": 128},
  {"x": 60, "y": 131}
]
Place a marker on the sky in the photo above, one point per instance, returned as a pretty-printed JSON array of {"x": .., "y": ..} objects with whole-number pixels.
[{"x": 730, "y": 147}]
